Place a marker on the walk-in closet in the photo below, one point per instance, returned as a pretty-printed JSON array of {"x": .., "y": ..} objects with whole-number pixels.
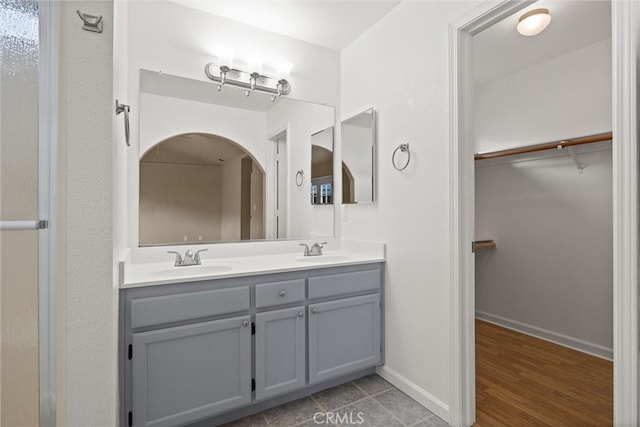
[{"x": 544, "y": 219}]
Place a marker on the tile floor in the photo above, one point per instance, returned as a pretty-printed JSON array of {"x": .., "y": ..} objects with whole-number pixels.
[{"x": 366, "y": 402}]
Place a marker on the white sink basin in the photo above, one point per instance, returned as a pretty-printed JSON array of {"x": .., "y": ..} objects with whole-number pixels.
[
  {"x": 323, "y": 258},
  {"x": 193, "y": 270}
]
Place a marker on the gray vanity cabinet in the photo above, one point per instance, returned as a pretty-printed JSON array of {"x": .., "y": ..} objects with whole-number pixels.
[
  {"x": 207, "y": 352},
  {"x": 190, "y": 372},
  {"x": 344, "y": 336},
  {"x": 280, "y": 351}
]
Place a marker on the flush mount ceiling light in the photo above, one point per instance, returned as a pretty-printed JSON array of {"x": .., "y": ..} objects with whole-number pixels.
[{"x": 534, "y": 22}]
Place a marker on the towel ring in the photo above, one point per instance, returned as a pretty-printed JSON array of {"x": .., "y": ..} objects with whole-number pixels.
[
  {"x": 299, "y": 178},
  {"x": 404, "y": 148}
]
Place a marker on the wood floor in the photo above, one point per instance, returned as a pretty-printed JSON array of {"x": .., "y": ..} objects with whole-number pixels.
[{"x": 525, "y": 381}]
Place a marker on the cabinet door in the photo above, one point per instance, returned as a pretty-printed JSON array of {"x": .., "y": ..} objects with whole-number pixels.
[
  {"x": 344, "y": 336},
  {"x": 280, "y": 351},
  {"x": 190, "y": 372}
]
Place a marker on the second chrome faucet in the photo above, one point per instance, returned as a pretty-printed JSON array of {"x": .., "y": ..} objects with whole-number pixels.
[{"x": 188, "y": 259}]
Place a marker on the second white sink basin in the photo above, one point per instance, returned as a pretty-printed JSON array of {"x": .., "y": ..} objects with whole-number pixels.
[
  {"x": 193, "y": 270},
  {"x": 323, "y": 258}
]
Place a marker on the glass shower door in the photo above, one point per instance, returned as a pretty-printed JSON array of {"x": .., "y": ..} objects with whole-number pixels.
[{"x": 20, "y": 199}]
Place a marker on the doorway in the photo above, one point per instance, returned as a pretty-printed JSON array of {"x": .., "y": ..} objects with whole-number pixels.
[
  {"x": 279, "y": 183},
  {"x": 624, "y": 206}
]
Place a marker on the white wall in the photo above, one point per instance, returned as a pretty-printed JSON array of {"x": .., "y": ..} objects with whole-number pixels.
[
  {"x": 553, "y": 268},
  {"x": 566, "y": 97},
  {"x": 552, "y": 273},
  {"x": 162, "y": 117},
  {"x": 412, "y": 213},
  {"x": 86, "y": 129}
]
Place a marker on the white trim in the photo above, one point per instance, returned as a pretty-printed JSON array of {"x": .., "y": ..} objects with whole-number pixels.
[
  {"x": 547, "y": 335},
  {"x": 462, "y": 310},
  {"x": 415, "y": 392},
  {"x": 625, "y": 16},
  {"x": 47, "y": 200}
]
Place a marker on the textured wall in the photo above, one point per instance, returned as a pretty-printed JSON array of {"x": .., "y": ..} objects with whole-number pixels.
[
  {"x": 413, "y": 208},
  {"x": 87, "y": 134}
]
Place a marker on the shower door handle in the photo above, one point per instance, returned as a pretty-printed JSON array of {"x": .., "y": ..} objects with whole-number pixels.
[{"x": 23, "y": 225}]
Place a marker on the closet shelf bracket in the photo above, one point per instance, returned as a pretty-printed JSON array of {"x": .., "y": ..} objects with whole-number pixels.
[
  {"x": 574, "y": 156},
  {"x": 483, "y": 244}
]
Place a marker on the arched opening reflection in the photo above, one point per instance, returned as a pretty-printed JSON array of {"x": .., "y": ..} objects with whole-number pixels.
[{"x": 200, "y": 187}]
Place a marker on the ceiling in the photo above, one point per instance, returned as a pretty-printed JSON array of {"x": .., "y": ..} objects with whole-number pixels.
[
  {"x": 333, "y": 24},
  {"x": 194, "y": 149},
  {"x": 500, "y": 50}
]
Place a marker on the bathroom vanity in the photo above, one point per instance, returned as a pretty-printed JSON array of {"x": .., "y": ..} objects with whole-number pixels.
[{"x": 227, "y": 343}]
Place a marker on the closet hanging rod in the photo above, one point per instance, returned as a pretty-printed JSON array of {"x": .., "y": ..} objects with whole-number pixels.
[{"x": 548, "y": 146}]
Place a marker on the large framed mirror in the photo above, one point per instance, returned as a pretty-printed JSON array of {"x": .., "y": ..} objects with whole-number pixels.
[
  {"x": 220, "y": 166},
  {"x": 358, "y": 158}
]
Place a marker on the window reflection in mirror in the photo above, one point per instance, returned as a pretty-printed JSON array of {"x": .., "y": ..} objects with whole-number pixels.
[
  {"x": 322, "y": 167},
  {"x": 358, "y": 145},
  {"x": 203, "y": 186}
]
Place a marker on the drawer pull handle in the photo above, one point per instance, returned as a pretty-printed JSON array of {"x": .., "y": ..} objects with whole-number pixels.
[
  {"x": 314, "y": 310},
  {"x": 282, "y": 293},
  {"x": 245, "y": 323},
  {"x": 301, "y": 314}
]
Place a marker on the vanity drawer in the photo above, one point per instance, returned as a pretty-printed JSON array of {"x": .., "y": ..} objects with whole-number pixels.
[
  {"x": 344, "y": 283},
  {"x": 186, "y": 306},
  {"x": 277, "y": 293}
]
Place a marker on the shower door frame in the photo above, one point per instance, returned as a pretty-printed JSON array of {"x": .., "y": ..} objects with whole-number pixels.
[
  {"x": 625, "y": 29},
  {"x": 47, "y": 207}
]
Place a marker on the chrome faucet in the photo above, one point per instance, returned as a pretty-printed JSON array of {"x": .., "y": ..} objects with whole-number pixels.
[
  {"x": 189, "y": 258},
  {"x": 315, "y": 250}
]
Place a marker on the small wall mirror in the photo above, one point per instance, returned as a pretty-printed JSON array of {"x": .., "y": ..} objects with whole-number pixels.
[
  {"x": 322, "y": 167},
  {"x": 358, "y": 149}
]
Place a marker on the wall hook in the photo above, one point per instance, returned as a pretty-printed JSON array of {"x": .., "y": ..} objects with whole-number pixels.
[{"x": 91, "y": 22}]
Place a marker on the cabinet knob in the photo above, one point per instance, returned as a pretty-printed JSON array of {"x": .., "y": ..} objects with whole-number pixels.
[
  {"x": 245, "y": 323},
  {"x": 301, "y": 314},
  {"x": 314, "y": 310},
  {"x": 282, "y": 293}
]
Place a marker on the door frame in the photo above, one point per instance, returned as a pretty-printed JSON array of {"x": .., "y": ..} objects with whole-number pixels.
[
  {"x": 271, "y": 178},
  {"x": 49, "y": 30},
  {"x": 625, "y": 30}
]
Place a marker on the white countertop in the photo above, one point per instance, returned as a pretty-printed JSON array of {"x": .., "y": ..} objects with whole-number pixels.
[{"x": 153, "y": 266}]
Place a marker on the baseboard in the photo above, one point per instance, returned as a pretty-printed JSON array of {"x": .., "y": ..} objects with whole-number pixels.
[
  {"x": 415, "y": 392},
  {"x": 544, "y": 334}
]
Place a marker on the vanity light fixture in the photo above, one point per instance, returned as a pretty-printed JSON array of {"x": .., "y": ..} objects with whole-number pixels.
[
  {"x": 250, "y": 81},
  {"x": 534, "y": 22}
]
